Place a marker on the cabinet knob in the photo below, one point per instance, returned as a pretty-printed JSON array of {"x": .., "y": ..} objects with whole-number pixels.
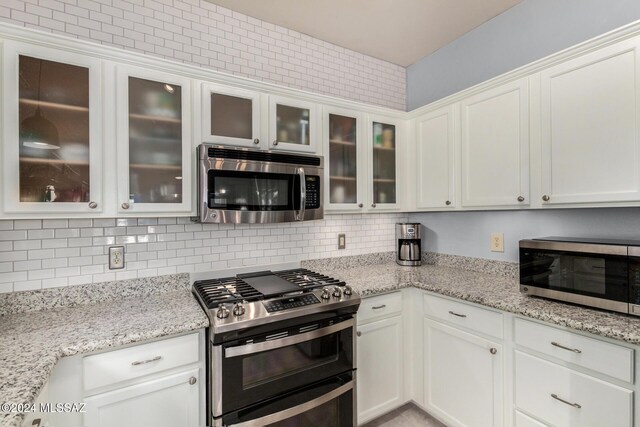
[
  {"x": 520, "y": 199},
  {"x": 545, "y": 198},
  {"x": 93, "y": 205},
  {"x": 256, "y": 141},
  {"x": 275, "y": 142},
  {"x": 373, "y": 205},
  {"x": 193, "y": 380},
  {"x": 448, "y": 202},
  {"x": 125, "y": 205},
  {"x": 493, "y": 350},
  {"x": 359, "y": 333},
  {"x": 360, "y": 205}
]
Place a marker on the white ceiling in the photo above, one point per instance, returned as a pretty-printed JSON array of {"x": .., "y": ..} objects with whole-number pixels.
[{"x": 398, "y": 31}]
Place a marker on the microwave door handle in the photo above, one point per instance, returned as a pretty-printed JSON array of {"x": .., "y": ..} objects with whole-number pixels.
[
  {"x": 303, "y": 194},
  {"x": 242, "y": 350},
  {"x": 299, "y": 409}
]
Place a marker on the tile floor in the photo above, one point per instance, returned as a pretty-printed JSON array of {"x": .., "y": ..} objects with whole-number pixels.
[{"x": 408, "y": 415}]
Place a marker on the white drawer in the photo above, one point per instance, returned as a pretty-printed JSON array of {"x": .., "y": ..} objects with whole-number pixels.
[
  {"x": 372, "y": 308},
  {"x": 132, "y": 362},
  {"x": 522, "y": 420},
  {"x": 537, "y": 381},
  {"x": 603, "y": 357},
  {"x": 472, "y": 317}
]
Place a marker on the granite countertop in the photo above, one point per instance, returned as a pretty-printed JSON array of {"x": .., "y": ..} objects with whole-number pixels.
[
  {"x": 499, "y": 290},
  {"x": 32, "y": 342}
]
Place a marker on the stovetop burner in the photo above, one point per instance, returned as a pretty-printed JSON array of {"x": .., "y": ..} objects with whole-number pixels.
[{"x": 246, "y": 300}]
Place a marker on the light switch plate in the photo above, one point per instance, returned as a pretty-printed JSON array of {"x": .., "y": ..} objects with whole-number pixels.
[
  {"x": 116, "y": 257},
  {"x": 497, "y": 242},
  {"x": 342, "y": 241}
]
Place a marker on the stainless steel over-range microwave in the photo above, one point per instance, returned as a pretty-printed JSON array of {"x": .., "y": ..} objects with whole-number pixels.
[
  {"x": 600, "y": 273},
  {"x": 239, "y": 185}
]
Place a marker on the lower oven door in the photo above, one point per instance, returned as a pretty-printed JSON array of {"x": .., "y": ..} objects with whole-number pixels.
[
  {"x": 274, "y": 363},
  {"x": 328, "y": 403}
]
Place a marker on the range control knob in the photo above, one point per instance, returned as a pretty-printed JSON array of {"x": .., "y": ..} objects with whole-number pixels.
[
  {"x": 326, "y": 294},
  {"x": 238, "y": 309},
  {"x": 223, "y": 312},
  {"x": 347, "y": 290},
  {"x": 337, "y": 292}
]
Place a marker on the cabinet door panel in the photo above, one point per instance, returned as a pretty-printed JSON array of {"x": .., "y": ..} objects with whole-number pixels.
[
  {"x": 166, "y": 402},
  {"x": 379, "y": 367},
  {"x": 384, "y": 153},
  {"x": 495, "y": 146},
  {"x": 435, "y": 162},
  {"x": 292, "y": 125},
  {"x": 230, "y": 116},
  {"x": 590, "y": 144},
  {"x": 154, "y": 141},
  {"x": 463, "y": 378},
  {"x": 52, "y": 114}
]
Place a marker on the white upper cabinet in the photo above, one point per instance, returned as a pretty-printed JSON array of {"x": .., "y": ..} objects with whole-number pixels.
[
  {"x": 435, "y": 163},
  {"x": 230, "y": 116},
  {"x": 154, "y": 146},
  {"x": 385, "y": 138},
  {"x": 52, "y": 131},
  {"x": 589, "y": 136},
  {"x": 495, "y": 146},
  {"x": 345, "y": 166},
  {"x": 293, "y": 125}
]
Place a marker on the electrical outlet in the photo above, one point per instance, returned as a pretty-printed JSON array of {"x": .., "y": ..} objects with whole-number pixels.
[
  {"x": 497, "y": 242},
  {"x": 342, "y": 241},
  {"x": 116, "y": 257}
]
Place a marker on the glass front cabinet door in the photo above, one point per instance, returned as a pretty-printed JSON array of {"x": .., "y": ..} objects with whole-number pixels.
[
  {"x": 230, "y": 116},
  {"x": 384, "y": 135},
  {"x": 51, "y": 131},
  {"x": 344, "y": 152},
  {"x": 292, "y": 125},
  {"x": 154, "y": 143}
]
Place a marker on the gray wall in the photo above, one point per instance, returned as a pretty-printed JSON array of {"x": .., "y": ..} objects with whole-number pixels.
[
  {"x": 468, "y": 233},
  {"x": 528, "y": 31}
]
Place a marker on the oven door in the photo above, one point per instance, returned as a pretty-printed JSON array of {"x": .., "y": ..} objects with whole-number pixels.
[
  {"x": 595, "y": 276},
  {"x": 327, "y": 403},
  {"x": 237, "y": 191},
  {"x": 274, "y": 363}
]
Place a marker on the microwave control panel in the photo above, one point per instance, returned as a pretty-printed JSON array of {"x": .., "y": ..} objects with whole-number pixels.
[{"x": 313, "y": 192}]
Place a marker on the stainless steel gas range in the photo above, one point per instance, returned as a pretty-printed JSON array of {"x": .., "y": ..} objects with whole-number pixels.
[{"x": 281, "y": 349}]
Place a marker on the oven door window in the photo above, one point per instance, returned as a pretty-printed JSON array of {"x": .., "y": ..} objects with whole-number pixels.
[
  {"x": 328, "y": 403},
  {"x": 250, "y": 375},
  {"x": 253, "y": 191},
  {"x": 600, "y": 276}
]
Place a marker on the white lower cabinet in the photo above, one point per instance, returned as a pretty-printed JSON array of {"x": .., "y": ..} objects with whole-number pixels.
[
  {"x": 379, "y": 362},
  {"x": 168, "y": 401},
  {"x": 463, "y": 376},
  {"x": 564, "y": 397}
]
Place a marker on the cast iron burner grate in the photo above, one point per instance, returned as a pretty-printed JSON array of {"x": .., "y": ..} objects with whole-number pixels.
[
  {"x": 227, "y": 290},
  {"x": 308, "y": 279}
]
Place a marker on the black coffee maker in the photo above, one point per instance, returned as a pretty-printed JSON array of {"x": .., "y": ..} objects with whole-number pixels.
[{"x": 409, "y": 246}]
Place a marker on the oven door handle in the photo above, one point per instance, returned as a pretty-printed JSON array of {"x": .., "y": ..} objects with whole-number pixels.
[
  {"x": 303, "y": 194},
  {"x": 296, "y": 410},
  {"x": 242, "y": 350}
]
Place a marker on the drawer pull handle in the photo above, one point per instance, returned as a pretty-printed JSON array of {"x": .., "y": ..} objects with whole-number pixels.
[
  {"x": 378, "y": 307},
  {"x": 575, "y": 405},
  {"x": 575, "y": 350},
  {"x": 144, "y": 362},
  {"x": 456, "y": 314}
]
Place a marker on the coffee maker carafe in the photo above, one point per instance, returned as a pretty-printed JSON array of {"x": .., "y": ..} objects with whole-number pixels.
[{"x": 409, "y": 244}]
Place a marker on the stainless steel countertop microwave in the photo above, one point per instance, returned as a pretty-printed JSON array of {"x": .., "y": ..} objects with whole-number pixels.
[
  {"x": 600, "y": 273},
  {"x": 239, "y": 185}
]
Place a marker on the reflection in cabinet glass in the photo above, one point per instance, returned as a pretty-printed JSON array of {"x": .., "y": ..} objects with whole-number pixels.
[
  {"x": 54, "y": 131},
  {"x": 384, "y": 163},
  {"x": 155, "y": 142},
  {"x": 292, "y": 124},
  {"x": 231, "y": 116},
  {"x": 342, "y": 159}
]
